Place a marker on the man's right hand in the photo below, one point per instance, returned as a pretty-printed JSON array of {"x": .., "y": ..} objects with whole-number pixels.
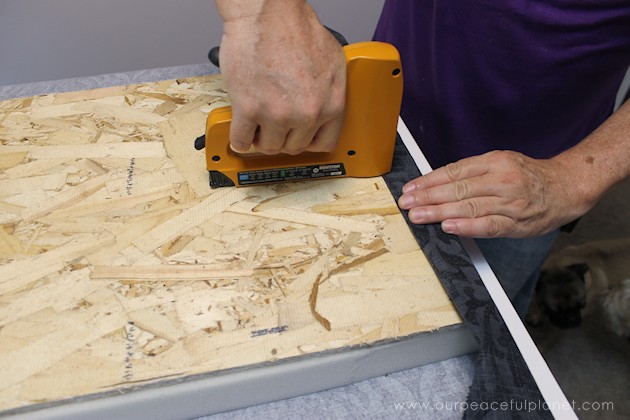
[{"x": 285, "y": 75}]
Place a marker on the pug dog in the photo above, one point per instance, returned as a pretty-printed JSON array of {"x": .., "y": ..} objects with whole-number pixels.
[
  {"x": 562, "y": 294},
  {"x": 580, "y": 280},
  {"x": 617, "y": 309}
]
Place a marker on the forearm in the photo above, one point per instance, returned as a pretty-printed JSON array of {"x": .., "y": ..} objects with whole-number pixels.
[
  {"x": 256, "y": 10},
  {"x": 598, "y": 162},
  {"x": 265, "y": 24}
]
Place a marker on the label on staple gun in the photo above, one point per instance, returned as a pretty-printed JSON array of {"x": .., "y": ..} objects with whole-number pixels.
[{"x": 292, "y": 173}]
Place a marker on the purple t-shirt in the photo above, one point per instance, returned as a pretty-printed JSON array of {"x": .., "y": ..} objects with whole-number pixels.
[{"x": 535, "y": 76}]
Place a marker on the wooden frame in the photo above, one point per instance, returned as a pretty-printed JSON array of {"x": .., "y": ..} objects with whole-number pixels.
[{"x": 121, "y": 267}]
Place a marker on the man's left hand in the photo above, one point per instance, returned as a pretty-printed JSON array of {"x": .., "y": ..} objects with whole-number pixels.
[{"x": 497, "y": 194}]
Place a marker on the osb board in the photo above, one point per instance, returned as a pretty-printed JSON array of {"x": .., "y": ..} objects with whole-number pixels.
[{"x": 120, "y": 266}]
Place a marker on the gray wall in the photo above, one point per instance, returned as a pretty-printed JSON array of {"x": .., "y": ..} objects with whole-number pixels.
[{"x": 57, "y": 39}]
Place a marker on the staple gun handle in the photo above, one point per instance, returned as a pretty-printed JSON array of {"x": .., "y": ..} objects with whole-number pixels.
[{"x": 366, "y": 144}]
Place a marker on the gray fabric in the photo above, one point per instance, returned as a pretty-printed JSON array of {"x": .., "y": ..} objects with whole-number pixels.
[
  {"x": 105, "y": 80},
  {"x": 434, "y": 391}
]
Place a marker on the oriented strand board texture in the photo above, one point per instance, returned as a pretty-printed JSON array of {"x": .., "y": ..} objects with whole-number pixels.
[{"x": 120, "y": 266}]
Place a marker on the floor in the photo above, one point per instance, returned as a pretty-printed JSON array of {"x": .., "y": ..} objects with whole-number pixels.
[{"x": 591, "y": 364}]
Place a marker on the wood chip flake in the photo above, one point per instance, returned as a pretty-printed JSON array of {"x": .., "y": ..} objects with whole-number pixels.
[
  {"x": 137, "y": 150},
  {"x": 170, "y": 273},
  {"x": 344, "y": 224},
  {"x": 69, "y": 196},
  {"x": 17, "y": 275},
  {"x": 77, "y": 331},
  {"x": 188, "y": 219}
]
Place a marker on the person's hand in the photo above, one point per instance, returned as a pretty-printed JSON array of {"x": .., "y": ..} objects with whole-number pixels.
[
  {"x": 285, "y": 75},
  {"x": 497, "y": 194}
]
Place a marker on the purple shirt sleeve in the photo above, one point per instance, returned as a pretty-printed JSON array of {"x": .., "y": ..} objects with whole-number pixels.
[{"x": 531, "y": 76}]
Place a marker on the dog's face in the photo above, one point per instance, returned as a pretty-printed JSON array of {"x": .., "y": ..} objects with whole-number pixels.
[{"x": 562, "y": 294}]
